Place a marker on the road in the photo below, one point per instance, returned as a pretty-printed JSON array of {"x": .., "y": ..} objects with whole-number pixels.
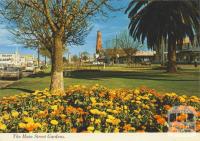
[{"x": 5, "y": 83}]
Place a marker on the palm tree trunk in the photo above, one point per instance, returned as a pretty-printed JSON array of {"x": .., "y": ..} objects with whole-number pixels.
[
  {"x": 57, "y": 82},
  {"x": 172, "y": 68},
  {"x": 157, "y": 55}
]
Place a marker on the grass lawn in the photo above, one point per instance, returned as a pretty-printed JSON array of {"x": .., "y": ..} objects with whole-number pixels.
[{"x": 186, "y": 81}]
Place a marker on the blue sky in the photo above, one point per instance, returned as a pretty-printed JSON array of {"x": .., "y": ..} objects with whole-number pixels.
[{"x": 115, "y": 23}]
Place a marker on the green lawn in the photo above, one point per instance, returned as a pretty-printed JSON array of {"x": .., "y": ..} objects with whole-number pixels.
[{"x": 186, "y": 81}]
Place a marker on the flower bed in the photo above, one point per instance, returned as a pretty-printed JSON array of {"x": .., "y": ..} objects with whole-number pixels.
[{"x": 92, "y": 109}]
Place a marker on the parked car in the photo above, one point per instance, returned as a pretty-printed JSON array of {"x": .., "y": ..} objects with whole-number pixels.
[
  {"x": 30, "y": 68},
  {"x": 97, "y": 63}
]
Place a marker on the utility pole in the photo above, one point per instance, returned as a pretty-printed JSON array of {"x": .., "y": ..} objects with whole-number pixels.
[{"x": 116, "y": 50}]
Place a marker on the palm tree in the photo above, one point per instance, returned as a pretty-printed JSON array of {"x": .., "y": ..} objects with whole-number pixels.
[{"x": 171, "y": 21}]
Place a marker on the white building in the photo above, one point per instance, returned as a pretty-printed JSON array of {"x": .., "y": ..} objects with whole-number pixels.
[{"x": 15, "y": 59}]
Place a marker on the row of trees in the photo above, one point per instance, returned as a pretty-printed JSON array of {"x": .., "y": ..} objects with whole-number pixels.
[
  {"x": 53, "y": 25},
  {"x": 123, "y": 42},
  {"x": 168, "y": 21}
]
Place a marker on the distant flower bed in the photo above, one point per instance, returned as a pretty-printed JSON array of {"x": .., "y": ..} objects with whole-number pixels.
[{"x": 93, "y": 109}]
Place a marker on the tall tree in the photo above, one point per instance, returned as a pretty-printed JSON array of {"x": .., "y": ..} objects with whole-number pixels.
[
  {"x": 169, "y": 20},
  {"x": 60, "y": 17},
  {"x": 128, "y": 45},
  {"x": 85, "y": 55}
]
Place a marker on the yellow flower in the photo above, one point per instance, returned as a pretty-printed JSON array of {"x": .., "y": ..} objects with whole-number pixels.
[
  {"x": 38, "y": 125},
  {"x": 136, "y": 111},
  {"x": 136, "y": 91},
  {"x": 139, "y": 116},
  {"x": 103, "y": 113},
  {"x": 6, "y": 116},
  {"x": 97, "y": 131},
  {"x": 125, "y": 107},
  {"x": 54, "y": 107},
  {"x": 138, "y": 98},
  {"x": 108, "y": 120},
  {"x": 93, "y": 100},
  {"x": 97, "y": 121},
  {"x": 90, "y": 128},
  {"x": 25, "y": 112},
  {"x": 22, "y": 125},
  {"x": 14, "y": 114},
  {"x": 92, "y": 119},
  {"x": 28, "y": 119},
  {"x": 94, "y": 111},
  {"x": 116, "y": 121},
  {"x": 116, "y": 130},
  {"x": 138, "y": 102},
  {"x": 111, "y": 117},
  {"x": 63, "y": 116},
  {"x": 181, "y": 99},
  {"x": 41, "y": 100},
  {"x": 54, "y": 122},
  {"x": 3, "y": 126}
]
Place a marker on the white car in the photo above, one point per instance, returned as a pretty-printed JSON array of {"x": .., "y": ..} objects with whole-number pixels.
[
  {"x": 30, "y": 68},
  {"x": 97, "y": 63}
]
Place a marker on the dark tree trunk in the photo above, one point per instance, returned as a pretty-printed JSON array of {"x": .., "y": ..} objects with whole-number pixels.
[
  {"x": 157, "y": 55},
  {"x": 45, "y": 60},
  {"x": 38, "y": 57},
  {"x": 172, "y": 67},
  {"x": 57, "y": 82}
]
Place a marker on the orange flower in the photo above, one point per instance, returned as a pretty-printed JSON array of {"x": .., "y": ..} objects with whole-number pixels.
[
  {"x": 173, "y": 129},
  {"x": 167, "y": 107},
  {"x": 101, "y": 94},
  {"x": 70, "y": 109},
  {"x": 198, "y": 127},
  {"x": 128, "y": 127},
  {"x": 61, "y": 108},
  {"x": 73, "y": 130},
  {"x": 30, "y": 127},
  {"x": 198, "y": 114},
  {"x": 161, "y": 121},
  {"x": 182, "y": 117},
  {"x": 140, "y": 131},
  {"x": 157, "y": 116}
]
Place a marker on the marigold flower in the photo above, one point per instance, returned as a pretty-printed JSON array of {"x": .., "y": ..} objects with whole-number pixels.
[
  {"x": 90, "y": 128},
  {"x": 25, "y": 112},
  {"x": 30, "y": 126},
  {"x": 181, "y": 99},
  {"x": 3, "y": 126},
  {"x": 93, "y": 100},
  {"x": 73, "y": 130},
  {"x": 128, "y": 127},
  {"x": 6, "y": 116},
  {"x": 161, "y": 121},
  {"x": 28, "y": 119},
  {"x": 136, "y": 91},
  {"x": 14, "y": 114},
  {"x": 54, "y": 122},
  {"x": 54, "y": 107},
  {"x": 97, "y": 121},
  {"x": 22, "y": 125},
  {"x": 116, "y": 130},
  {"x": 167, "y": 107}
]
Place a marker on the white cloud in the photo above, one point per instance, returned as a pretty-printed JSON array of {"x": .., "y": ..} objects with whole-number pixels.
[{"x": 6, "y": 37}]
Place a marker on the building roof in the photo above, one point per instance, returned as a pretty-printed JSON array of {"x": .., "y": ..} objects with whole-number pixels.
[{"x": 121, "y": 53}]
